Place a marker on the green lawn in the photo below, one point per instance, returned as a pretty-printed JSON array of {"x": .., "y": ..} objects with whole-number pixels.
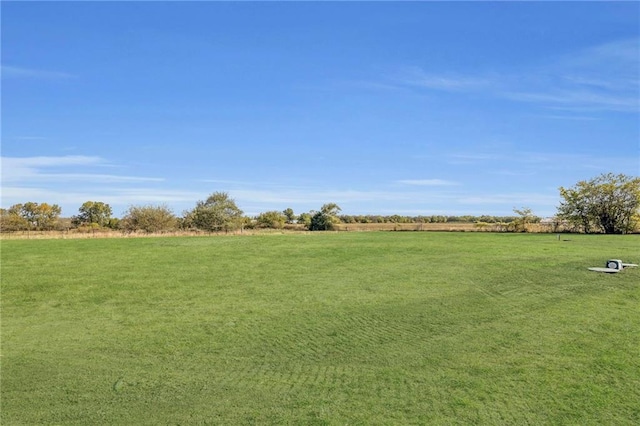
[{"x": 323, "y": 328}]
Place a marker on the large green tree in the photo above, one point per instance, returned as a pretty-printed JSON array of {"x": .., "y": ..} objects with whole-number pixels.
[
  {"x": 608, "y": 203},
  {"x": 218, "y": 212},
  {"x": 93, "y": 212}
]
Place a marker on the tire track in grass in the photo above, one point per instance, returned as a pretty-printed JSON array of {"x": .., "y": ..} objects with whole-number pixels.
[
  {"x": 285, "y": 378},
  {"x": 343, "y": 336},
  {"x": 320, "y": 353}
]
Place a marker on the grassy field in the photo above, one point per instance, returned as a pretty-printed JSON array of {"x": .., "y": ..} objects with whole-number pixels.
[{"x": 323, "y": 328}]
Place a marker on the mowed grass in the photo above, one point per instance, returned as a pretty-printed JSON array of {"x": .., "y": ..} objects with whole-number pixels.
[{"x": 349, "y": 328}]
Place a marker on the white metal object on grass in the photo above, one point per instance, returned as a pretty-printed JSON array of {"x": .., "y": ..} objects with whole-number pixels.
[
  {"x": 607, "y": 270},
  {"x": 612, "y": 266}
]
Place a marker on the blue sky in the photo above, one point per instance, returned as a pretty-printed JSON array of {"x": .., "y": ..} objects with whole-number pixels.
[{"x": 411, "y": 108}]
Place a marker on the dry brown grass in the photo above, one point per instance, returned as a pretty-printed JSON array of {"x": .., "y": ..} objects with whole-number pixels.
[
  {"x": 341, "y": 227},
  {"x": 75, "y": 234},
  {"x": 405, "y": 227},
  {"x": 444, "y": 227}
]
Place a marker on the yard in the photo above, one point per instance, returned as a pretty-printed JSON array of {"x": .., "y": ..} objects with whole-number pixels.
[{"x": 322, "y": 328}]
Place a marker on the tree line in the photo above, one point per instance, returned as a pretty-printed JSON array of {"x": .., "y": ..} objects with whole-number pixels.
[
  {"x": 608, "y": 203},
  {"x": 218, "y": 213}
]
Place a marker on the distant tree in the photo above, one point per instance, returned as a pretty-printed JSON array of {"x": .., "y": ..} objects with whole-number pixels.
[
  {"x": 525, "y": 217},
  {"x": 218, "y": 212},
  {"x": 11, "y": 219},
  {"x": 113, "y": 223},
  {"x": 289, "y": 215},
  {"x": 247, "y": 222},
  {"x": 93, "y": 212},
  {"x": 608, "y": 203},
  {"x": 41, "y": 216},
  {"x": 271, "y": 219},
  {"x": 326, "y": 218},
  {"x": 48, "y": 216},
  {"x": 148, "y": 219},
  {"x": 487, "y": 219},
  {"x": 347, "y": 218},
  {"x": 305, "y": 218},
  {"x": 186, "y": 221},
  {"x": 394, "y": 219}
]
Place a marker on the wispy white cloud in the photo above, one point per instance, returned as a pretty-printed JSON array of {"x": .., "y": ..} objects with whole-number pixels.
[
  {"x": 600, "y": 82},
  {"x": 417, "y": 77},
  {"x": 569, "y": 117},
  {"x": 512, "y": 173},
  {"x": 71, "y": 180},
  {"x": 20, "y": 72},
  {"x": 256, "y": 197},
  {"x": 427, "y": 182},
  {"x": 313, "y": 196},
  {"x": 605, "y": 77},
  {"x": 226, "y": 182},
  {"x": 437, "y": 200},
  {"x": 612, "y": 65},
  {"x": 473, "y": 158},
  {"x": 29, "y": 138},
  {"x": 96, "y": 177},
  {"x": 39, "y": 169},
  {"x": 515, "y": 199},
  {"x": 16, "y": 169},
  {"x": 119, "y": 198},
  {"x": 151, "y": 195},
  {"x": 539, "y": 160},
  {"x": 579, "y": 99},
  {"x": 53, "y": 161}
]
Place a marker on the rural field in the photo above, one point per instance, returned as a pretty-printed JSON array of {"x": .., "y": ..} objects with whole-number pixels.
[{"x": 322, "y": 328}]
